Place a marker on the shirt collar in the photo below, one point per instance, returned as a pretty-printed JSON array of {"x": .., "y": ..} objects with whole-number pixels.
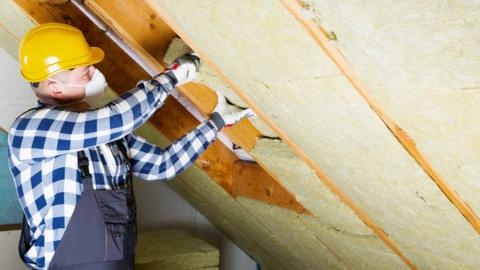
[{"x": 39, "y": 103}]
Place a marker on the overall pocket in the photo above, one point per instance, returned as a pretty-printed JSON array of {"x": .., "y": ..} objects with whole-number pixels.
[{"x": 119, "y": 213}]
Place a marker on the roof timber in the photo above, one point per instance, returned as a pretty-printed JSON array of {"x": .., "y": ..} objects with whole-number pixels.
[
  {"x": 172, "y": 119},
  {"x": 455, "y": 210}
]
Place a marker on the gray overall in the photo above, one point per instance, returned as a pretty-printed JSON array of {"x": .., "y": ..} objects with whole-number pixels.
[{"x": 102, "y": 232}]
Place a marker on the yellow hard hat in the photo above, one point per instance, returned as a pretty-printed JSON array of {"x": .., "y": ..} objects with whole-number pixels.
[{"x": 52, "y": 47}]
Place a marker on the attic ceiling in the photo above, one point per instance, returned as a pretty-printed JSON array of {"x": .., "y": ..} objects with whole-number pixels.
[{"x": 365, "y": 145}]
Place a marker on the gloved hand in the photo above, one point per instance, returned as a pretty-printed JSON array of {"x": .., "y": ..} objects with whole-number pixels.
[
  {"x": 226, "y": 114},
  {"x": 183, "y": 69}
]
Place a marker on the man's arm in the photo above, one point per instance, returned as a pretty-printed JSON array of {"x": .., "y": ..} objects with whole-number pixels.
[
  {"x": 151, "y": 162},
  {"x": 52, "y": 131}
]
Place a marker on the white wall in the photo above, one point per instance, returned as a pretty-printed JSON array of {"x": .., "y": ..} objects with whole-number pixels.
[
  {"x": 9, "y": 251},
  {"x": 15, "y": 93},
  {"x": 158, "y": 206}
]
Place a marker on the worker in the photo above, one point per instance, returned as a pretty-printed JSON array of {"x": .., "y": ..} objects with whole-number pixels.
[{"x": 72, "y": 160}]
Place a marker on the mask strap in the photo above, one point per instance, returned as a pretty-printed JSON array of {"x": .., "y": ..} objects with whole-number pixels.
[
  {"x": 71, "y": 84},
  {"x": 95, "y": 73}
]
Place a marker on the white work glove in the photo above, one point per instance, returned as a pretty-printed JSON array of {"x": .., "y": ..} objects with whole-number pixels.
[
  {"x": 226, "y": 115},
  {"x": 183, "y": 69}
]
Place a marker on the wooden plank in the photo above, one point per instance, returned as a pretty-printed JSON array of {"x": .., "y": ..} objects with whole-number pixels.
[
  {"x": 295, "y": 7},
  {"x": 172, "y": 119},
  {"x": 298, "y": 151},
  {"x": 251, "y": 181}
]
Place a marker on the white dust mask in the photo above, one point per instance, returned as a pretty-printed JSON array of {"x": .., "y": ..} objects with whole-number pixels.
[{"x": 94, "y": 90}]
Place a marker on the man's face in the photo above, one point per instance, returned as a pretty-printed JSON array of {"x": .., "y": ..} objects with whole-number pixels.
[{"x": 64, "y": 92}]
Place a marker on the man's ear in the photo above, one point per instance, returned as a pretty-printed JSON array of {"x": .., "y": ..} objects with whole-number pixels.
[{"x": 54, "y": 90}]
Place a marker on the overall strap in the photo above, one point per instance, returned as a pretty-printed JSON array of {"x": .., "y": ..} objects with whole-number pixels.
[
  {"x": 126, "y": 161},
  {"x": 83, "y": 166}
]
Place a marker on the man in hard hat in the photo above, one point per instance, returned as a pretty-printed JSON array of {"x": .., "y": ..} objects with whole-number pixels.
[{"x": 73, "y": 163}]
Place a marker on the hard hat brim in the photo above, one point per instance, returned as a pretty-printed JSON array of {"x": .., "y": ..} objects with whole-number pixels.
[{"x": 94, "y": 56}]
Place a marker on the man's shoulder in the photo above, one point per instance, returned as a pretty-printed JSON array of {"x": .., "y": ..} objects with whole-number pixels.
[
  {"x": 20, "y": 117},
  {"x": 21, "y": 121},
  {"x": 27, "y": 112}
]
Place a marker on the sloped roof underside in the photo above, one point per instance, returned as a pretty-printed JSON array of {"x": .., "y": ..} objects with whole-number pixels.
[{"x": 420, "y": 61}]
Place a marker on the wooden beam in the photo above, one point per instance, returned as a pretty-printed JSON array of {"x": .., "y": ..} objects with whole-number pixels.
[
  {"x": 326, "y": 180},
  {"x": 172, "y": 119},
  {"x": 251, "y": 181},
  {"x": 295, "y": 7}
]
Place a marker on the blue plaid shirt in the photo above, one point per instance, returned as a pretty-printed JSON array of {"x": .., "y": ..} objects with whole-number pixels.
[{"x": 43, "y": 146}]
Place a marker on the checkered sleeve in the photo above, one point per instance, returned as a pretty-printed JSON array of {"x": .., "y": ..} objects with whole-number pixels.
[
  {"x": 151, "y": 162},
  {"x": 50, "y": 131}
]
